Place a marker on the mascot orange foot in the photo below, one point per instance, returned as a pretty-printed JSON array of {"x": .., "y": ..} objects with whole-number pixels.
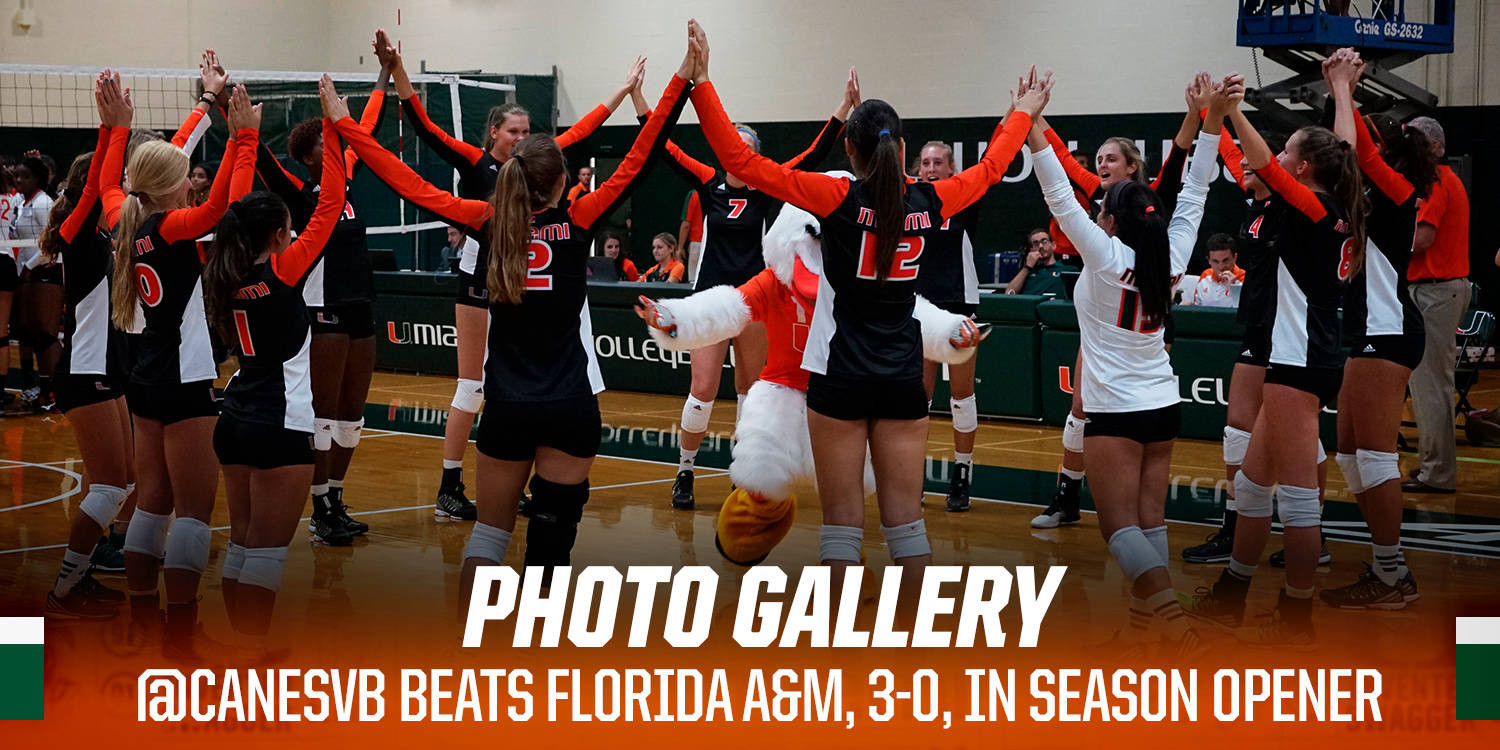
[{"x": 750, "y": 526}]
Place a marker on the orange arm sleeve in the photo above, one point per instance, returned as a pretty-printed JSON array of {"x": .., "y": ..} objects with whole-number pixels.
[
  {"x": 112, "y": 174},
  {"x": 1232, "y": 157},
  {"x": 191, "y": 223},
  {"x": 966, "y": 188},
  {"x": 90, "y": 194},
  {"x": 408, "y": 184},
  {"x": 1299, "y": 196},
  {"x": 244, "y": 169},
  {"x": 180, "y": 138},
  {"x": 584, "y": 127},
  {"x": 1389, "y": 181},
  {"x": 1084, "y": 180},
  {"x": 695, "y": 171},
  {"x": 299, "y": 258},
  {"x": 814, "y": 192},
  {"x": 627, "y": 177}
]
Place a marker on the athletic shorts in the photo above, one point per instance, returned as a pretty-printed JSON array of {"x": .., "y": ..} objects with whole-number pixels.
[
  {"x": 1323, "y": 382},
  {"x": 1255, "y": 345},
  {"x": 9, "y": 280},
  {"x": 957, "y": 307},
  {"x": 472, "y": 291},
  {"x": 850, "y": 399},
  {"x": 1149, "y": 426},
  {"x": 1405, "y": 350},
  {"x": 73, "y": 391},
  {"x": 170, "y": 404},
  {"x": 50, "y": 273},
  {"x": 1169, "y": 331},
  {"x": 513, "y": 430},
  {"x": 260, "y": 446},
  {"x": 355, "y": 320}
]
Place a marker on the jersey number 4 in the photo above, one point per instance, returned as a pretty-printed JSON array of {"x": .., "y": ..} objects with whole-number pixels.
[
  {"x": 903, "y": 266},
  {"x": 538, "y": 258}
]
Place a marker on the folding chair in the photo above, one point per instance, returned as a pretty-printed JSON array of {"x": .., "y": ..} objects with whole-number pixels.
[{"x": 1475, "y": 333}]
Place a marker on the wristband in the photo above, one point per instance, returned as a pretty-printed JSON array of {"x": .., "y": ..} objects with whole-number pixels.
[{"x": 209, "y": 98}]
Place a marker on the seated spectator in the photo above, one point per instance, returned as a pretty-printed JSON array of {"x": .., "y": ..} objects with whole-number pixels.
[
  {"x": 668, "y": 268},
  {"x": 585, "y": 184},
  {"x": 1215, "y": 287},
  {"x": 458, "y": 243},
  {"x": 612, "y": 250},
  {"x": 1041, "y": 273}
]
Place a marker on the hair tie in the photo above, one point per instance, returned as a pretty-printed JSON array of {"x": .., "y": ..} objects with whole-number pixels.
[
  {"x": 1151, "y": 209},
  {"x": 1344, "y": 146},
  {"x": 883, "y": 132},
  {"x": 136, "y": 194},
  {"x": 519, "y": 160}
]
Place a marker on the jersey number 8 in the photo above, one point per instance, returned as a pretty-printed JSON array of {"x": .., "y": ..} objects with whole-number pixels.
[
  {"x": 538, "y": 257},
  {"x": 903, "y": 266}
]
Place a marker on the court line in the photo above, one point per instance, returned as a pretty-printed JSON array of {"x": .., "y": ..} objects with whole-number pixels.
[{"x": 77, "y": 482}]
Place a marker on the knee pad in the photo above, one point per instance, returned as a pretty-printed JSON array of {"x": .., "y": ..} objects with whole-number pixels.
[
  {"x": 907, "y": 540},
  {"x": 346, "y": 434},
  {"x": 695, "y": 414},
  {"x": 187, "y": 546},
  {"x": 487, "y": 543},
  {"x": 1133, "y": 551},
  {"x": 103, "y": 503},
  {"x": 1377, "y": 468},
  {"x": 965, "y": 414},
  {"x": 1073, "y": 434},
  {"x": 322, "y": 434},
  {"x": 1251, "y": 500},
  {"x": 1157, "y": 536},
  {"x": 263, "y": 567},
  {"x": 1236, "y": 444},
  {"x": 841, "y": 543},
  {"x": 234, "y": 561},
  {"x": 555, "y": 510},
  {"x": 469, "y": 395},
  {"x": 1298, "y": 507},
  {"x": 147, "y": 533},
  {"x": 1349, "y": 466}
]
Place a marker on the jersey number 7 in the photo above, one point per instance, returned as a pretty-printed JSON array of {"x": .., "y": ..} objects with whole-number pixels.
[{"x": 903, "y": 266}]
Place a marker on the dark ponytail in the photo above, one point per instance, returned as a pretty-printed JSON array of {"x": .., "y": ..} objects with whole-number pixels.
[
  {"x": 239, "y": 238},
  {"x": 1141, "y": 223},
  {"x": 1335, "y": 166},
  {"x": 875, "y": 130},
  {"x": 50, "y": 243},
  {"x": 1407, "y": 150}
]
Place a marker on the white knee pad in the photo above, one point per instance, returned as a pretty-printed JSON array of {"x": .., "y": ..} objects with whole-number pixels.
[
  {"x": 1297, "y": 507},
  {"x": 965, "y": 414},
  {"x": 1349, "y": 466},
  {"x": 840, "y": 543},
  {"x": 487, "y": 543},
  {"x": 1157, "y": 536},
  {"x": 103, "y": 503},
  {"x": 469, "y": 395},
  {"x": 322, "y": 434},
  {"x": 1251, "y": 500},
  {"x": 147, "y": 533},
  {"x": 1133, "y": 551},
  {"x": 346, "y": 434},
  {"x": 907, "y": 540},
  {"x": 187, "y": 546},
  {"x": 1073, "y": 434},
  {"x": 1377, "y": 468},
  {"x": 263, "y": 567},
  {"x": 695, "y": 414},
  {"x": 234, "y": 561},
  {"x": 1236, "y": 444}
]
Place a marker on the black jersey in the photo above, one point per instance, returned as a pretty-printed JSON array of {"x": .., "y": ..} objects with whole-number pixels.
[
  {"x": 1312, "y": 247},
  {"x": 862, "y": 325},
  {"x": 1256, "y": 257},
  {"x": 344, "y": 274},
  {"x": 1378, "y": 302},
  {"x": 948, "y": 275},
  {"x": 91, "y": 345}
]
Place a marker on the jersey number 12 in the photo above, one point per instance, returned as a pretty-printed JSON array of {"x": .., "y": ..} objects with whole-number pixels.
[{"x": 904, "y": 265}]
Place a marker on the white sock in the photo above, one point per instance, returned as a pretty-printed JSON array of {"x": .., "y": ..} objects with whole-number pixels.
[
  {"x": 1168, "y": 612},
  {"x": 335, "y": 484},
  {"x": 686, "y": 458},
  {"x": 453, "y": 463},
  {"x": 74, "y": 565},
  {"x": 1242, "y": 570},
  {"x": 320, "y": 489},
  {"x": 967, "y": 459},
  {"x": 1387, "y": 563},
  {"x": 1297, "y": 593},
  {"x": 1069, "y": 473},
  {"x": 1140, "y": 619}
]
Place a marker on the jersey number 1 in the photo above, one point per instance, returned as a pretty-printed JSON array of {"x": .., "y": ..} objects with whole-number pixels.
[
  {"x": 1131, "y": 317},
  {"x": 242, "y": 327},
  {"x": 903, "y": 266}
]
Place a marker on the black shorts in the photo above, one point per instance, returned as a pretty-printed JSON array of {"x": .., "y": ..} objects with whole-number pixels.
[
  {"x": 49, "y": 273},
  {"x": 73, "y": 391},
  {"x": 513, "y": 430},
  {"x": 1255, "y": 345},
  {"x": 1149, "y": 426},
  {"x": 1405, "y": 350},
  {"x": 170, "y": 404},
  {"x": 355, "y": 320},
  {"x": 850, "y": 399},
  {"x": 9, "y": 280},
  {"x": 472, "y": 291},
  {"x": 1323, "y": 382},
  {"x": 260, "y": 446}
]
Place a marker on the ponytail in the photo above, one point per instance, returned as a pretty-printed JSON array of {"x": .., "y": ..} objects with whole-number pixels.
[
  {"x": 156, "y": 169},
  {"x": 123, "y": 294},
  {"x": 1335, "y": 166},
  {"x": 1407, "y": 150},
  {"x": 525, "y": 184},
  {"x": 875, "y": 130},
  {"x": 241, "y": 235},
  {"x": 50, "y": 243},
  {"x": 1141, "y": 223}
]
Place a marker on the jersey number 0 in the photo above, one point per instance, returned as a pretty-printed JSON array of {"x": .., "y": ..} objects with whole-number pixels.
[{"x": 903, "y": 266}]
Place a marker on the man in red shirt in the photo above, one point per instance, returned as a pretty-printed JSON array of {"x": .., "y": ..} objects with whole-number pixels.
[{"x": 1438, "y": 273}]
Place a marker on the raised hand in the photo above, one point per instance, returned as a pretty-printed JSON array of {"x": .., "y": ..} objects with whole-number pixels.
[
  {"x": 699, "y": 45},
  {"x": 385, "y": 51},
  {"x": 655, "y": 316},
  {"x": 636, "y": 75},
  {"x": 1200, "y": 91},
  {"x": 213, "y": 75},
  {"x": 242, "y": 114},
  {"x": 334, "y": 107},
  {"x": 851, "y": 96},
  {"x": 1033, "y": 98},
  {"x": 1227, "y": 94},
  {"x": 115, "y": 107}
]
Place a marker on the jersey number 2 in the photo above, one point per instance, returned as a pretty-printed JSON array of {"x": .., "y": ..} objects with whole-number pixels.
[
  {"x": 903, "y": 266},
  {"x": 538, "y": 258}
]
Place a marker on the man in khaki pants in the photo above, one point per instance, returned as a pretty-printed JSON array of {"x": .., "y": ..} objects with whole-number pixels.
[{"x": 1438, "y": 274}]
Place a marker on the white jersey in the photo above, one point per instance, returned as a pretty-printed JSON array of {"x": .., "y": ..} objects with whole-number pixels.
[
  {"x": 1127, "y": 366},
  {"x": 10, "y": 208},
  {"x": 1210, "y": 292},
  {"x": 31, "y": 219},
  {"x": 468, "y": 255}
]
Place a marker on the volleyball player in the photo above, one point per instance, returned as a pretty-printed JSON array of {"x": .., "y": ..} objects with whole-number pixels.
[
  {"x": 1132, "y": 258},
  {"x": 864, "y": 349},
  {"x": 478, "y": 169},
  {"x": 38, "y": 297},
  {"x": 90, "y": 371},
  {"x": 254, "y": 294},
  {"x": 1319, "y": 243},
  {"x": 1386, "y": 334},
  {"x": 338, "y": 290},
  {"x": 541, "y": 379},
  {"x": 735, "y": 218},
  {"x": 158, "y": 271},
  {"x": 10, "y": 276}
]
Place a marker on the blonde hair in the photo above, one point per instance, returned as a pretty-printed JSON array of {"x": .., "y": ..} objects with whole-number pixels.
[
  {"x": 157, "y": 169},
  {"x": 525, "y": 183}
]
